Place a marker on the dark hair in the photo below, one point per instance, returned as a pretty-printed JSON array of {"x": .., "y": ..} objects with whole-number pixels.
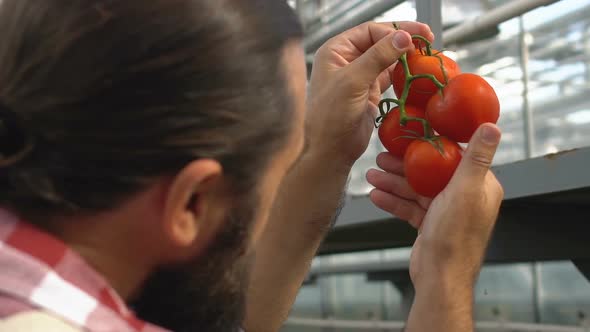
[{"x": 115, "y": 93}]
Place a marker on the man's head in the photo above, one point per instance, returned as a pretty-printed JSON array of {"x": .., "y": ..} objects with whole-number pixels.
[{"x": 161, "y": 131}]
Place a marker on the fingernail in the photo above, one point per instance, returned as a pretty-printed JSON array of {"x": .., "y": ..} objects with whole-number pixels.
[
  {"x": 401, "y": 40},
  {"x": 431, "y": 37},
  {"x": 490, "y": 135}
]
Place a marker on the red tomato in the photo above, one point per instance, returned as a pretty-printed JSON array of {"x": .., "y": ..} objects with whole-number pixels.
[
  {"x": 422, "y": 89},
  {"x": 390, "y": 130},
  {"x": 468, "y": 101},
  {"x": 427, "y": 170}
]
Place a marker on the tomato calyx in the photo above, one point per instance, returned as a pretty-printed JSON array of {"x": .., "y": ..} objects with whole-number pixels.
[
  {"x": 427, "y": 171},
  {"x": 435, "y": 141},
  {"x": 437, "y": 144}
]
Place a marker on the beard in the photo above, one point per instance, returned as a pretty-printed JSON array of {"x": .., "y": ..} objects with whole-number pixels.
[{"x": 207, "y": 293}]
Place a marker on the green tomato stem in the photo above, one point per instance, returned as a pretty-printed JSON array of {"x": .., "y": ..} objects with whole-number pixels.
[
  {"x": 427, "y": 129},
  {"x": 426, "y": 42},
  {"x": 443, "y": 70},
  {"x": 401, "y": 102},
  {"x": 402, "y": 105},
  {"x": 430, "y": 77}
]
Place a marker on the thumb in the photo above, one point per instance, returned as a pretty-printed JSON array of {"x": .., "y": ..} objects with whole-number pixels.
[
  {"x": 479, "y": 155},
  {"x": 380, "y": 56}
]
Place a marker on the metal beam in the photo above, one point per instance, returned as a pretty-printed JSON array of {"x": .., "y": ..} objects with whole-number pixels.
[
  {"x": 401, "y": 262},
  {"x": 299, "y": 7},
  {"x": 430, "y": 12},
  {"x": 366, "y": 11},
  {"x": 549, "y": 194},
  {"x": 566, "y": 170},
  {"x": 527, "y": 114},
  {"x": 491, "y": 19},
  {"x": 584, "y": 267},
  {"x": 330, "y": 12},
  {"x": 376, "y": 325}
]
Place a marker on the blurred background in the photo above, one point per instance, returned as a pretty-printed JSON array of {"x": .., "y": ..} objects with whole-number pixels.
[{"x": 536, "y": 54}]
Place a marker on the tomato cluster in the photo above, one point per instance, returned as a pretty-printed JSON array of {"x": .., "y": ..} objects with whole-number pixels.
[{"x": 438, "y": 107}]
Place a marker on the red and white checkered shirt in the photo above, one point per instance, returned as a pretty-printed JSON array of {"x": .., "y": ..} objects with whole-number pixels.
[{"x": 39, "y": 272}]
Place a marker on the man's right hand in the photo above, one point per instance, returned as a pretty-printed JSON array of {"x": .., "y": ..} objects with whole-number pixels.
[{"x": 454, "y": 231}]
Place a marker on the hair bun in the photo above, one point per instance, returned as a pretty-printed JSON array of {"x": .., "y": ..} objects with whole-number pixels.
[{"x": 16, "y": 143}]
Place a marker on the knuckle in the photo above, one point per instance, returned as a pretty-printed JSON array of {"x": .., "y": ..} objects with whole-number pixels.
[
  {"x": 495, "y": 187},
  {"x": 368, "y": 25},
  {"x": 373, "y": 26},
  {"x": 499, "y": 190},
  {"x": 321, "y": 52},
  {"x": 481, "y": 159},
  {"x": 381, "y": 55}
]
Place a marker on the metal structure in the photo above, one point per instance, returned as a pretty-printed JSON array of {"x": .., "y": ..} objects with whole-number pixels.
[
  {"x": 399, "y": 326},
  {"x": 491, "y": 19},
  {"x": 544, "y": 216},
  {"x": 428, "y": 11},
  {"x": 538, "y": 191},
  {"x": 544, "y": 200},
  {"x": 364, "y": 11}
]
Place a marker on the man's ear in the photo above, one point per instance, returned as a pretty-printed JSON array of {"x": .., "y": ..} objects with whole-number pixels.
[{"x": 193, "y": 193}]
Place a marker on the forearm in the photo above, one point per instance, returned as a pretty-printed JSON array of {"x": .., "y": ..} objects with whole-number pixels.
[
  {"x": 442, "y": 306},
  {"x": 305, "y": 208}
]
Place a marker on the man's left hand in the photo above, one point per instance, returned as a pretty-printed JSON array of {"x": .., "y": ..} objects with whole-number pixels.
[{"x": 350, "y": 73}]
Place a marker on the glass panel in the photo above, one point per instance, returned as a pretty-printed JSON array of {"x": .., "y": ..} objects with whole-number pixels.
[
  {"x": 505, "y": 292},
  {"x": 406, "y": 11},
  {"x": 351, "y": 296},
  {"x": 318, "y": 13},
  {"x": 564, "y": 294},
  {"x": 559, "y": 42},
  {"x": 309, "y": 305},
  {"x": 358, "y": 185},
  {"x": 498, "y": 61}
]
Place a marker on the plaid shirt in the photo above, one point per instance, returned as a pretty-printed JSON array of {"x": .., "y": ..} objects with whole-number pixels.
[{"x": 39, "y": 272}]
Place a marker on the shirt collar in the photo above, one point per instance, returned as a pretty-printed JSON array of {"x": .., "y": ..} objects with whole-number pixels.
[{"x": 40, "y": 269}]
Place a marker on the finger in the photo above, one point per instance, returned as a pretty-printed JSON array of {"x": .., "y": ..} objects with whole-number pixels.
[
  {"x": 396, "y": 185},
  {"x": 366, "y": 35},
  {"x": 380, "y": 56},
  {"x": 415, "y": 28},
  {"x": 399, "y": 207},
  {"x": 384, "y": 78},
  {"x": 478, "y": 157},
  {"x": 375, "y": 95},
  {"x": 387, "y": 162},
  {"x": 373, "y": 110}
]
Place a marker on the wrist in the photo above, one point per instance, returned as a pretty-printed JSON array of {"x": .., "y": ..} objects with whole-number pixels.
[
  {"x": 445, "y": 285},
  {"x": 450, "y": 259},
  {"x": 326, "y": 160},
  {"x": 441, "y": 304},
  {"x": 446, "y": 276}
]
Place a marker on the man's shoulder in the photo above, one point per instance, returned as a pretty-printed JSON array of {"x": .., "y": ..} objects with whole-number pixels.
[{"x": 35, "y": 321}]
